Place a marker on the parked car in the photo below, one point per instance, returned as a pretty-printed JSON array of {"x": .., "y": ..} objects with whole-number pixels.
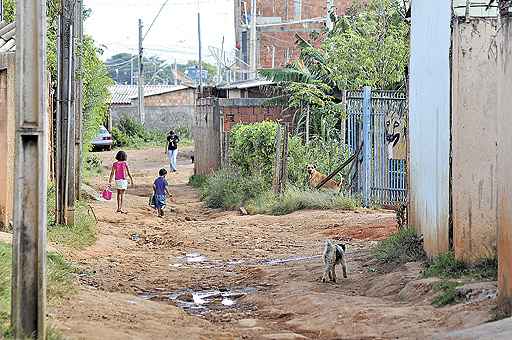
[{"x": 103, "y": 140}]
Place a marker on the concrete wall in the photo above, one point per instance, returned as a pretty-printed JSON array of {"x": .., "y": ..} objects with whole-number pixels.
[
  {"x": 474, "y": 130},
  {"x": 429, "y": 123},
  {"x": 161, "y": 118},
  {"x": 7, "y": 129},
  {"x": 504, "y": 165}
]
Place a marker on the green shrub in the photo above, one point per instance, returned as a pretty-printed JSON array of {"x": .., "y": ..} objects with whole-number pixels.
[
  {"x": 295, "y": 199},
  {"x": 447, "y": 293},
  {"x": 131, "y": 133},
  {"x": 447, "y": 266},
  {"x": 197, "y": 181},
  {"x": 228, "y": 189},
  {"x": 401, "y": 247},
  {"x": 252, "y": 148}
]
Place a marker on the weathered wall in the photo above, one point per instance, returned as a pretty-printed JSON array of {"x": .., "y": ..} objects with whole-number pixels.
[
  {"x": 429, "y": 122},
  {"x": 161, "y": 118},
  {"x": 504, "y": 165},
  {"x": 174, "y": 98},
  {"x": 207, "y": 137},
  {"x": 7, "y": 128},
  {"x": 474, "y": 130}
]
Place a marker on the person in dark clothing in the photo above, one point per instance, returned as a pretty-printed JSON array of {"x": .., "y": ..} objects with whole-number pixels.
[{"x": 172, "y": 149}]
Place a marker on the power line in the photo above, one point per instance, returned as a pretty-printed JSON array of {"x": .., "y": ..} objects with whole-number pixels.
[{"x": 154, "y": 20}]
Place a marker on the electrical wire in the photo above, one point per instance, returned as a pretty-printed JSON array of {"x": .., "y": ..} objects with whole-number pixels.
[{"x": 154, "y": 20}]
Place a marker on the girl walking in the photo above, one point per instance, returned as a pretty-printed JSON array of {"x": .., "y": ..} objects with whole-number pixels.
[{"x": 120, "y": 171}]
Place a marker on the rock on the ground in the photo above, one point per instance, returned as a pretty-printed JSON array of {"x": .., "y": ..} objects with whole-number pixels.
[
  {"x": 243, "y": 211},
  {"x": 90, "y": 192},
  {"x": 478, "y": 291}
]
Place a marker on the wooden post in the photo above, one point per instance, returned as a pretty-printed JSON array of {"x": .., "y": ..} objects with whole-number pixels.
[
  {"x": 284, "y": 160},
  {"x": 29, "y": 239},
  {"x": 278, "y": 163}
]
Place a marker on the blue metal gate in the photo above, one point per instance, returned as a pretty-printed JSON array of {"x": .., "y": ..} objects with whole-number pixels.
[{"x": 378, "y": 119}]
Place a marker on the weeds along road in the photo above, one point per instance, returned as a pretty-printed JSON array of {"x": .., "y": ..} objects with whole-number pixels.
[{"x": 207, "y": 274}]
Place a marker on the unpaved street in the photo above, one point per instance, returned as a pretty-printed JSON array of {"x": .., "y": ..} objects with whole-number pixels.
[{"x": 206, "y": 274}]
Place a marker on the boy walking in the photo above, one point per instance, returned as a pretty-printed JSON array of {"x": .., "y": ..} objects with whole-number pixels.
[{"x": 160, "y": 189}]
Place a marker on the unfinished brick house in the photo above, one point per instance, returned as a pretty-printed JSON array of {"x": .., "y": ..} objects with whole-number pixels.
[{"x": 278, "y": 21}]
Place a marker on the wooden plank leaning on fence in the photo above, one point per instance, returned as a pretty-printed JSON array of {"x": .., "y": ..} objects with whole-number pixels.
[
  {"x": 281, "y": 160},
  {"x": 340, "y": 168}
]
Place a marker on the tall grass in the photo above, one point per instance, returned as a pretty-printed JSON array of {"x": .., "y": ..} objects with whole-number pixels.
[
  {"x": 60, "y": 284},
  {"x": 228, "y": 189},
  {"x": 79, "y": 235},
  {"x": 295, "y": 199},
  {"x": 401, "y": 247}
]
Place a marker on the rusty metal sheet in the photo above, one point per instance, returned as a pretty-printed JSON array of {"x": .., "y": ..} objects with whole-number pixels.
[{"x": 430, "y": 122}]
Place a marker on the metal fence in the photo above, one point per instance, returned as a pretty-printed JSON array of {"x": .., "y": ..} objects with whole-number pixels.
[{"x": 378, "y": 119}]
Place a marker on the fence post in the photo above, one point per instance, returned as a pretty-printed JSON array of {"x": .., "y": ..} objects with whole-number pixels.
[
  {"x": 284, "y": 160},
  {"x": 367, "y": 147},
  {"x": 278, "y": 163}
]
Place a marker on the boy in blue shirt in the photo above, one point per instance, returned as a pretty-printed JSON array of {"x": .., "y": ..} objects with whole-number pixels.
[{"x": 160, "y": 189}]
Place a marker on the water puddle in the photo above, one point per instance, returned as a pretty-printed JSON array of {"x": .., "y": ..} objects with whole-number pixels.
[
  {"x": 196, "y": 259},
  {"x": 202, "y": 302}
]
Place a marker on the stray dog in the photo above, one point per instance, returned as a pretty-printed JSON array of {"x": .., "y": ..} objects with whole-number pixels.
[
  {"x": 334, "y": 254},
  {"x": 316, "y": 177}
]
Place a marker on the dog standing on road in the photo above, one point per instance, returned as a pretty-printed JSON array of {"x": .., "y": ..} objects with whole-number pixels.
[
  {"x": 316, "y": 177},
  {"x": 333, "y": 254}
]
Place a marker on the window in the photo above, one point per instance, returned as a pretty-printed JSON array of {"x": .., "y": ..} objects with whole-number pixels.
[{"x": 297, "y": 8}]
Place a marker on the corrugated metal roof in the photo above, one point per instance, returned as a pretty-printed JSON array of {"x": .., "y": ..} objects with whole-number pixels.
[
  {"x": 7, "y": 37},
  {"x": 246, "y": 84},
  {"x": 124, "y": 94}
]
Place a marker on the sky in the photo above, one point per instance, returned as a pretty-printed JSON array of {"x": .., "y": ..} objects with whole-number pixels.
[{"x": 114, "y": 26}]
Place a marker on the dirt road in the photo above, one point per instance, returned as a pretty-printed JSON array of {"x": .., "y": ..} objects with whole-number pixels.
[{"x": 206, "y": 274}]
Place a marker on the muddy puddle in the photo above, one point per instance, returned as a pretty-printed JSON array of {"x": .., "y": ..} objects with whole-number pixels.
[
  {"x": 196, "y": 259},
  {"x": 204, "y": 301}
]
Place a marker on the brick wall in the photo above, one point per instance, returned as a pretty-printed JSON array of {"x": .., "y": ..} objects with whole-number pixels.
[
  {"x": 280, "y": 40},
  {"x": 175, "y": 98},
  {"x": 252, "y": 114}
]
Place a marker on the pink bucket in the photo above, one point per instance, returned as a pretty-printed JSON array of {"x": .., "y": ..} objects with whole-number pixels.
[{"x": 106, "y": 194}]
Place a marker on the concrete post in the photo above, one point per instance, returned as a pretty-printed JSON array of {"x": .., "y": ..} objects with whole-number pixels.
[{"x": 29, "y": 243}]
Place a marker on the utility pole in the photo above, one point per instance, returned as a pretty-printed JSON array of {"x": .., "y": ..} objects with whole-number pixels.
[
  {"x": 65, "y": 118},
  {"x": 200, "y": 53},
  {"x": 131, "y": 71},
  {"x": 141, "y": 75},
  {"x": 28, "y": 303},
  {"x": 330, "y": 8},
  {"x": 254, "y": 42},
  {"x": 78, "y": 94}
]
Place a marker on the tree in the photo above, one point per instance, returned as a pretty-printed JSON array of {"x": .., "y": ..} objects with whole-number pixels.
[{"x": 369, "y": 46}]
